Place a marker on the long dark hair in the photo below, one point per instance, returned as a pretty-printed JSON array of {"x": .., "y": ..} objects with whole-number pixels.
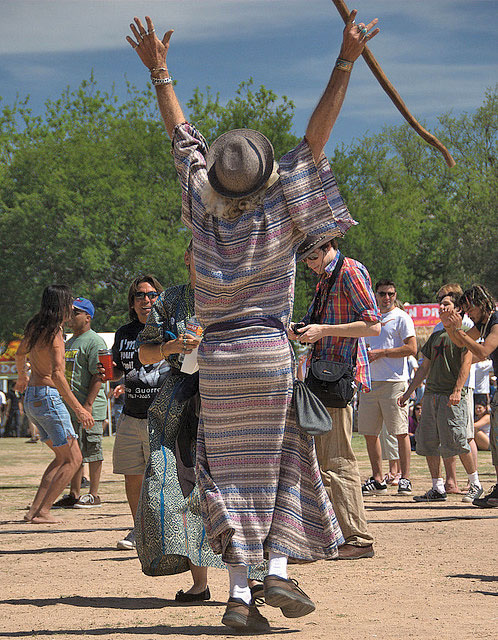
[{"x": 55, "y": 308}]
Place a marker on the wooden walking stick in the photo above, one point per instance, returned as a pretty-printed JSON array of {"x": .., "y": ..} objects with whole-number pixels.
[{"x": 376, "y": 69}]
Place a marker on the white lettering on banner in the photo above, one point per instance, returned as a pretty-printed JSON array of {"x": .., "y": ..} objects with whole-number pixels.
[
  {"x": 425, "y": 314},
  {"x": 8, "y": 369}
]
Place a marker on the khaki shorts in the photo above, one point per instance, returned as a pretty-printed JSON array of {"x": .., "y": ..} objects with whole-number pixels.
[
  {"x": 380, "y": 405},
  {"x": 90, "y": 440},
  {"x": 131, "y": 447}
]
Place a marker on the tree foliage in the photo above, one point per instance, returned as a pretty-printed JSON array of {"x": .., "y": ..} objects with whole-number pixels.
[
  {"x": 89, "y": 197},
  {"x": 421, "y": 223}
]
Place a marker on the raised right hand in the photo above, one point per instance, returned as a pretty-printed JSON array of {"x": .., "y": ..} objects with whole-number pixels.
[
  {"x": 151, "y": 51},
  {"x": 354, "y": 39}
]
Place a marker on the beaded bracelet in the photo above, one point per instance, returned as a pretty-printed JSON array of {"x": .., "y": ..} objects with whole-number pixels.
[{"x": 158, "y": 81}]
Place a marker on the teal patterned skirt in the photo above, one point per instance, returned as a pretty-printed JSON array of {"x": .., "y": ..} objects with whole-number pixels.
[{"x": 169, "y": 529}]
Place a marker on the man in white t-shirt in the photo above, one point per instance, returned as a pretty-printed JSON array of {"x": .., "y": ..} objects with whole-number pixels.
[{"x": 388, "y": 356}]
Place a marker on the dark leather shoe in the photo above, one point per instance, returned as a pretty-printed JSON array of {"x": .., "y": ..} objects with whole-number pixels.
[
  {"x": 240, "y": 615},
  {"x": 181, "y": 596},
  {"x": 352, "y": 552},
  {"x": 287, "y": 595}
]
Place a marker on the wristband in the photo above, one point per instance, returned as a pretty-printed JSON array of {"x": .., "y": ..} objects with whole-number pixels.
[
  {"x": 344, "y": 65},
  {"x": 159, "y": 81}
]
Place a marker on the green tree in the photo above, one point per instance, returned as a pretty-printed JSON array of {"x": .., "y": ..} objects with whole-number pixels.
[
  {"x": 89, "y": 195},
  {"x": 423, "y": 224}
]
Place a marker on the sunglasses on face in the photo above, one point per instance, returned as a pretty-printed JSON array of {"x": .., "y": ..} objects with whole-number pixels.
[
  {"x": 386, "y": 293},
  {"x": 312, "y": 257},
  {"x": 141, "y": 295}
]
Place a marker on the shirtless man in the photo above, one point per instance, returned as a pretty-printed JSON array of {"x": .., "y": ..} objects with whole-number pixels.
[{"x": 43, "y": 341}]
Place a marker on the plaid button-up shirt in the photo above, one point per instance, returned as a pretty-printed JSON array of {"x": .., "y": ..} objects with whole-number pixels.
[{"x": 351, "y": 298}]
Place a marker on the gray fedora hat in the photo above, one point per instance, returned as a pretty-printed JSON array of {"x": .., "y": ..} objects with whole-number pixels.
[
  {"x": 309, "y": 244},
  {"x": 239, "y": 162}
]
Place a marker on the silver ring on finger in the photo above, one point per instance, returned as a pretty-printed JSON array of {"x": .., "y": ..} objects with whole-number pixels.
[
  {"x": 363, "y": 31},
  {"x": 149, "y": 33}
]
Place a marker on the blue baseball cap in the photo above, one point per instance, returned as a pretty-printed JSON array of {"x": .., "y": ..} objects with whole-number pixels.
[{"x": 84, "y": 305}]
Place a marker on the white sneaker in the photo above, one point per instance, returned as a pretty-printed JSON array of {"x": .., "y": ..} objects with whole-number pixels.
[
  {"x": 474, "y": 491},
  {"x": 128, "y": 542},
  {"x": 88, "y": 502}
]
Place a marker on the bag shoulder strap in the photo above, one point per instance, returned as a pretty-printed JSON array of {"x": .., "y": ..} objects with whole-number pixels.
[{"x": 330, "y": 283}]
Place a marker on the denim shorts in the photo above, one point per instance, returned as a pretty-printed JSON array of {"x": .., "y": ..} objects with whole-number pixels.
[{"x": 44, "y": 407}]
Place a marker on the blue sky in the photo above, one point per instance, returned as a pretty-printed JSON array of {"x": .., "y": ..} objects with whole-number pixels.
[{"x": 439, "y": 54}]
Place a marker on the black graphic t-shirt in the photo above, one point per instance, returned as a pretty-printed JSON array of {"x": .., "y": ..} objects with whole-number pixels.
[{"x": 142, "y": 382}]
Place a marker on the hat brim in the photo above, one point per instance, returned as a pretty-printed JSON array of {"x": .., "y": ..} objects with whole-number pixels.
[
  {"x": 216, "y": 149},
  {"x": 76, "y": 306},
  {"x": 309, "y": 245}
]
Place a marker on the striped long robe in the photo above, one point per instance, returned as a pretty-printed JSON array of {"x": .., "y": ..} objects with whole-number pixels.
[{"x": 257, "y": 472}]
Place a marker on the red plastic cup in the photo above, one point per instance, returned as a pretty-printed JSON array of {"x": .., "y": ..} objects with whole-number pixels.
[{"x": 105, "y": 358}]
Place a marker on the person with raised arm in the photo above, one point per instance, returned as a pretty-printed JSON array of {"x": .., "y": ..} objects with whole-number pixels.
[{"x": 257, "y": 473}]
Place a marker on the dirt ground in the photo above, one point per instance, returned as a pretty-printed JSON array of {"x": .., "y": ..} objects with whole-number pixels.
[{"x": 434, "y": 574}]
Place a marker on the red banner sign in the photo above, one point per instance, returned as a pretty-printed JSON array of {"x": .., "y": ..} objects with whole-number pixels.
[{"x": 423, "y": 315}]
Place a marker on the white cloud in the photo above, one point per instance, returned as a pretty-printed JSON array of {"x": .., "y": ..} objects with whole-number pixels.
[
  {"x": 48, "y": 26},
  {"x": 435, "y": 52}
]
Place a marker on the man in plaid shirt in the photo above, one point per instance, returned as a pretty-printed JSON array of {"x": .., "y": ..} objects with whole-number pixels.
[{"x": 347, "y": 315}]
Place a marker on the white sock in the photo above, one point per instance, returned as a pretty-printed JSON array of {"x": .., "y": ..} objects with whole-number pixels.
[
  {"x": 438, "y": 485},
  {"x": 239, "y": 587},
  {"x": 277, "y": 565},
  {"x": 474, "y": 478}
]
